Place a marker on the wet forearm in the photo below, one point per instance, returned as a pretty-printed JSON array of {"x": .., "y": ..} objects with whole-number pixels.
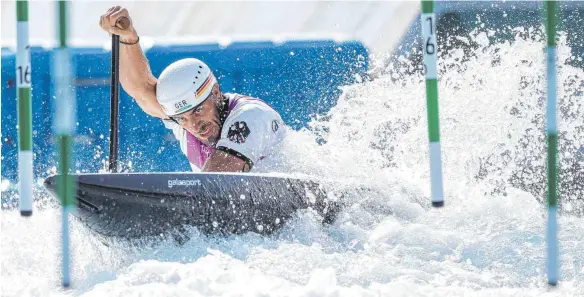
[{"x": 137, "y": 79}]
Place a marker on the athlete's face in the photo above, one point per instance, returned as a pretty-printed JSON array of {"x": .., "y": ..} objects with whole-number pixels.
[{"x": 203, "y": 121}]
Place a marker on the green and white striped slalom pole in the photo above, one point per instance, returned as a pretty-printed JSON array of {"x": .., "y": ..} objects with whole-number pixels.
[
  {"x": 428, "y": 22},
  {"x": 552, "y": 266},
  {"x": 23, "y": 81},
  {"x": 64, "y": 128}
]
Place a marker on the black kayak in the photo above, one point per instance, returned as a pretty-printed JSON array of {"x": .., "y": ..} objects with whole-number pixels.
[{"x": 133, "y": 205}]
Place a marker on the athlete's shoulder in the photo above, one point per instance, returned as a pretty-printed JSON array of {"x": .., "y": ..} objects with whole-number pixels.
[
  {"x": 241, "y": 103},
  {"x": 250, "y": 110}
]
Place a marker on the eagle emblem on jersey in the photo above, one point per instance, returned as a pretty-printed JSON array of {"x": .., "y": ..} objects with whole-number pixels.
[{"x": 238, "y": 132}]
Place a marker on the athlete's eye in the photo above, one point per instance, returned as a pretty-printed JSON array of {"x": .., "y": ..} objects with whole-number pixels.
[{"x": 198, "y": 109}]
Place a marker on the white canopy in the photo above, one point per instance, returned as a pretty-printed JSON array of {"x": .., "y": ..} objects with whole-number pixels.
[{"x": 379, "y": 24}]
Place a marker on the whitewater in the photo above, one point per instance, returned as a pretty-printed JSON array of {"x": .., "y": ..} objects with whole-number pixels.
[{"x": 488, "y": 240}]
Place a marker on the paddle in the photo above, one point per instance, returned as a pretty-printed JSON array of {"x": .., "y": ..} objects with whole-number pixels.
[{"x": 122, "y": 23}]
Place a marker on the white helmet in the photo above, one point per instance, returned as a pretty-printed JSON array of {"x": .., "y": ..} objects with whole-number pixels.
[{"x": 183, "y": 85}]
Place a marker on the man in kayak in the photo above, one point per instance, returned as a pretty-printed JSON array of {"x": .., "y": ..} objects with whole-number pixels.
[{"x": 217, "y": 131}]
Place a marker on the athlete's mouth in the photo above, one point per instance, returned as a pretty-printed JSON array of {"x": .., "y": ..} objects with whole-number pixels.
[{"x": 205, "y": 129}]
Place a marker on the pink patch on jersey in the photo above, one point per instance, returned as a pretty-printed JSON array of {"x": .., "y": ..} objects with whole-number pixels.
[{"x": 197, "y": 152}]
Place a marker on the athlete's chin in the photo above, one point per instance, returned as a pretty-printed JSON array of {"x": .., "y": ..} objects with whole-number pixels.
[{"x": 214, "y": 137}]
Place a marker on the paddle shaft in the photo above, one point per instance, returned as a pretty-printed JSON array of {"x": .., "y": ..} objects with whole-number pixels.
[
  {"x": 123, "y": 23},
  {"x": 114, "y": 104}
]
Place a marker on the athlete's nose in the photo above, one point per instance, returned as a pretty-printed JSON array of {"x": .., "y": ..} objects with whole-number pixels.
[{"x": 197, "y": 125}]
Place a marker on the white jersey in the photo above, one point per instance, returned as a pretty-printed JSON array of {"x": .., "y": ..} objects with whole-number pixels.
[{"x": 252, "y": 131}]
